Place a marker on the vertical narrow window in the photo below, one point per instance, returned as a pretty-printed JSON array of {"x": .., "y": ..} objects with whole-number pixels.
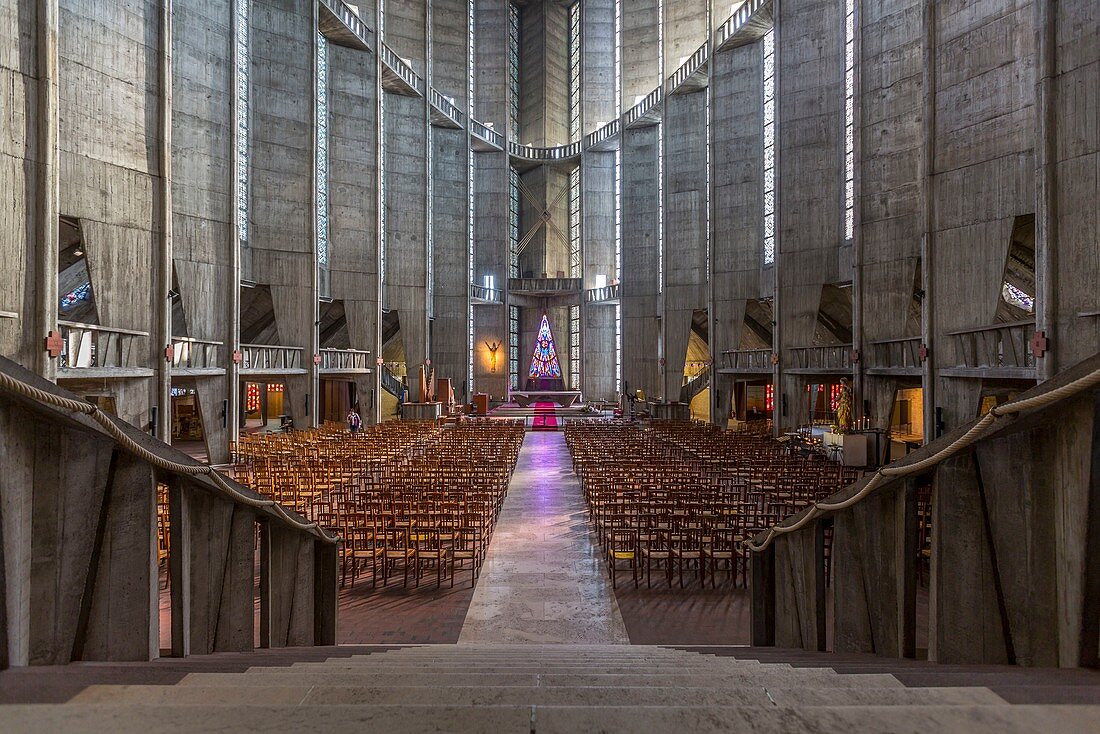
[
  {"x": 575, "y": 347},
  {"x": 382, "y": 190},
  {"x": 575, "y": 71},
  {"x": 575, "y": 271},
  {"x": 470, "y": 254},
  {"x": 618, "y": 62},
  {"x": 513, "y": 223},
  {"x": 514, "y": 20},
  {"x": 769, "y": 146},
  {"x": 661, "y": 155},
  {"x": 849, "y": 119},
  {"x": 575, "y": 223},
  {"x": 321, "y": 162},
  {"x": 242, "y": 54},
  {"x": 513, "y": 347}
]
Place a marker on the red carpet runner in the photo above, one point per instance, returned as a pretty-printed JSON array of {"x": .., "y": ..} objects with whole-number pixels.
[{"x": 545, "y": 417}]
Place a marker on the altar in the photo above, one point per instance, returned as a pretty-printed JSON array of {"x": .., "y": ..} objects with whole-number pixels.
[{"x": 559, "y": 398}]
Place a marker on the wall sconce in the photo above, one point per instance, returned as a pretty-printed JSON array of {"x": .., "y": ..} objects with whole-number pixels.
[{"x": 493, "y": 355}]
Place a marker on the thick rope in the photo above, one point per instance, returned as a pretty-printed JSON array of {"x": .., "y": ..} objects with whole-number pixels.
[
  {"x": 92, "y": 411},
  {"x": 976, "y": 432}
]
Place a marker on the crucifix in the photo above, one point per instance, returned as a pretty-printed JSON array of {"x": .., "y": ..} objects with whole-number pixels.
[{"x": 493, "y": 355}]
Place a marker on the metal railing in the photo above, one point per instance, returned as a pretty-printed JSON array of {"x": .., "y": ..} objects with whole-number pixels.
[
  {"x": 606, "y": 294},
  {"x": 270, "y": 357},
  {"x": 698, "y": 382},
  {"x": 486, "y": 133},
  {"x": 833, "y": 357},
  {"x": 345, "y": 360},
  {"x": 195, "y": 354},
  {"x": 689, "y": 67},
  {"x": 553, "y": 153},
  {"x": 641, "y": 109},
  {"x": 755, "y": 360},
  {"x": 903, "y": 353},
  {"x": 391, "y": 383},
  {"x": 997, "y": 345},
  {"x": 602, "y": 134},
  {"x": 738, "y": 20},
  {"x": 447, "y": 107},
  {"x": 89, "y": 346},
  {"x": 351, "y": 21},
  {"x": 544, "y": 285},
  {"x": 486, "y": 294},
  {"x": 398, "y": 66}
]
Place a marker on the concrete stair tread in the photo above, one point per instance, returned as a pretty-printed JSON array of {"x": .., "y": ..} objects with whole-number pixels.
[
  {"x": 535, "y": 696},
  {"x": 284, "y": 676},
  {"x": 140, "y": 718}
]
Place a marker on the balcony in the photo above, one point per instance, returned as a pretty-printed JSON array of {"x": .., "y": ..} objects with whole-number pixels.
[
  {"x": 604, "y": 137},
  {"x": 901, "y": 357},
  {"x": 345, "y": 361},
  {"x": 259, "y": 359},
  {"x": 545, "y": 155},
  {"x": 444, "y": 113},
  {"x": 645, "y": 111},
  {"x": 692, "y": 73},
  {"x": 998, "y": 350},
  {"x": 483, "y": 295},
  {"x": 747, "y": 362},
  {"x": 484, "y": 137},
  {"x": 609, "y": 294},
  {"x": 544, "y": 286},
  {"x": 343, "y": 26},
  {"x": 397, "y": 76},
  {"x": 91, "y": 351},
  {"x": 196, "y": 357},
  {"x": 744, "y": 25},
  {"x": 832, "y": 359}
]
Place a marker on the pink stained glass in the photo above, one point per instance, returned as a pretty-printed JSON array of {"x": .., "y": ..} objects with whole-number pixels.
[{"x": 544, "y": 361}]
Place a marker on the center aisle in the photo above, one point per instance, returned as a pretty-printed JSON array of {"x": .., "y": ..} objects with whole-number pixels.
[{"x": 544, "y": 579}]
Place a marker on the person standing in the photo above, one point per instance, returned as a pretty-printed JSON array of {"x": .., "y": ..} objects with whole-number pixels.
[{"x": 354, "y": 421}]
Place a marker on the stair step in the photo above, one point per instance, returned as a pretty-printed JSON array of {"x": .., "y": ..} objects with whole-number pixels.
[
  {"x": 168, "y": 719},
  {"x": 536, "y": 696},
  {"x": 284, "y": 676}
]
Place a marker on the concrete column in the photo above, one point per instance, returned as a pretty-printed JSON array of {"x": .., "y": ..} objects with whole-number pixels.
[
  {"x": 45, "y": 319},
  {"x": 162, "y": 279}
]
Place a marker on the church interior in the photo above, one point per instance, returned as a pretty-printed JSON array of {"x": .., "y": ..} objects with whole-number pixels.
[{"x": 550, "y": 365}]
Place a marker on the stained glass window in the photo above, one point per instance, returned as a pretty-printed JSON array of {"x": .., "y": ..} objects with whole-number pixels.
[
  {"x": 849, "y": 119},
  {"x": 575, "y": 347},
  {"x": 242, "y": 59},
  {"x": 514, "y": 12},
  {"x": 575, "y": 71},
  {"x": 513, "y": 222},
  {"x": 81, "y": 293},
  {"x": 544, "y": 361},
  {"x": 513, "y": 347},
  {"x": 321, "y": 175},
  {"x": 769, "y": 147},
  {"x": 1017, "y": 297}
]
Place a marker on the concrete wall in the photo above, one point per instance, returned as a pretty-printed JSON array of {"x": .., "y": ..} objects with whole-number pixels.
[
  {"x": 736, "y": 226},
  {"x": 281, "y": 215},
  {"x": 19, "y": 179}
]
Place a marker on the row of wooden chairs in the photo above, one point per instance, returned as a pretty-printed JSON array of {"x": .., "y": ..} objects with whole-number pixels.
[
  {"x": 408, "y": 498},
  {"x": 686, "y": 495}
]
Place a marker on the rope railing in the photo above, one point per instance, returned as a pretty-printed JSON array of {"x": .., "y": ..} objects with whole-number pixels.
[
  {"x": 976, "y": 432},
  {"x": 108, "y": 424}
]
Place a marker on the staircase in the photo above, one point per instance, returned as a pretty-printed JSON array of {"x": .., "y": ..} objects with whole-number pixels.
[{"x": 544, "y": 688}]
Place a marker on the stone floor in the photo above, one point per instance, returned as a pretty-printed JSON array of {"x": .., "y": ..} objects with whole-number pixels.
[{"x": 544, "y": 579}]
